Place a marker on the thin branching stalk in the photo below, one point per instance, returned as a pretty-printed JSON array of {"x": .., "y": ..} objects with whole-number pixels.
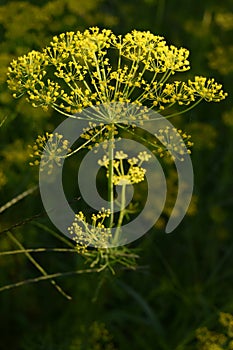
[
  {"x": 18, "y": 198},
  {"x": 38, "y": 266}
]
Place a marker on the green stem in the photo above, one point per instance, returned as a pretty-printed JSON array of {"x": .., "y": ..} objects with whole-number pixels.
[
  {"x": 18, "y": 198},
  {"x": 38, "y": 250},
  {"x": 122, "y": 213},
  {"x": 3, "y": 121},
  {"x": 47, "y": 277},
  {"x": 185, "y": 110},
  {"x": 110, "y": 174},
  {"x": 118, "y": 69}
]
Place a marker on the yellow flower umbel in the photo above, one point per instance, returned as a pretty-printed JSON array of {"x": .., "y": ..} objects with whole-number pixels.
[
  {"x": 94, "y": 235},
  {"x": 98, "y": 235},
  {"x": 48, "y": 151},
  {"x": 207, "y": 89},
  {"x": 175, "y": 143},
  {"x": 135, "y": 172},
  {"x": 96, "y": 67},
  {"x": 114, "y": 80}
]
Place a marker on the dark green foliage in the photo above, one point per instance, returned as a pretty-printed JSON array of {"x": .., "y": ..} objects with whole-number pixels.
[{"x": 185, "y": 278}]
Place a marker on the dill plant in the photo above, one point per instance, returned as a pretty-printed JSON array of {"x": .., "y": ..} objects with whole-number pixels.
[{"x": 98, "y": 69}]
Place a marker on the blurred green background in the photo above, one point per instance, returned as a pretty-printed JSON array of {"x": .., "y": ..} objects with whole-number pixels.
[{"x": 186, "y": 278}]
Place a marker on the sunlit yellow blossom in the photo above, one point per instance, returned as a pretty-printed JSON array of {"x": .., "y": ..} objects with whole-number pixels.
[
  {"x": 126, "y": 175},
  {"x": 120, "y": 155},
  {"x": 207, "y": 89},
  {"x": 153, "y": 51},
  {"x": 94, "y": 234},
  {"x": 95, "y": 67},
  {"x": 143, "y": 157},
  {"x": 97, "y": 136},
  {"x": 49, "y": 150},
  {"x": 174, "y": 143}
]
